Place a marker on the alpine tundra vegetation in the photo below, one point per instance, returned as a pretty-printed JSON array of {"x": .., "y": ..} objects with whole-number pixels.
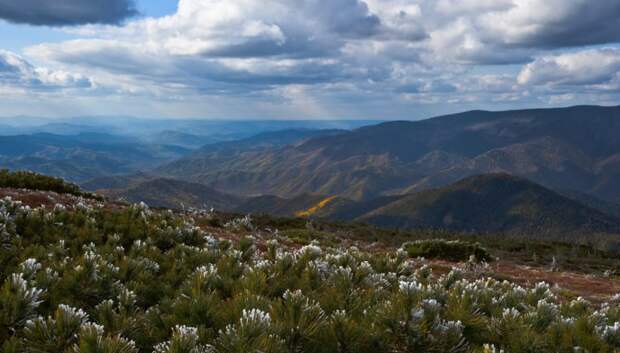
[{"x": 86, "y": 275}]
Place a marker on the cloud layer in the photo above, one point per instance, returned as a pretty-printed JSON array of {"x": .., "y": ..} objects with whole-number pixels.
[
  {"x": 16, "y": 72},
  {"x": 594, "y": 68},
  {"x": 66, "y": 12},
  {"x": 357, "y": 57}
]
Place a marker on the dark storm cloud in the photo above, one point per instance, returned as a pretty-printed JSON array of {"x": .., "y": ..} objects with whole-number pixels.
[
  {"x": 589, "y": 23},
  {"x": 66, "y": 12}
]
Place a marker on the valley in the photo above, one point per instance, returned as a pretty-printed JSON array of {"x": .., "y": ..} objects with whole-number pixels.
[
  {"x": 409, "y": 174},
  {"x": 548, "y": 173}
]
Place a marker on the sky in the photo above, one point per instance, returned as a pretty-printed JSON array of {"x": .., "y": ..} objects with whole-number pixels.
[{"x": 304, "y": 59}]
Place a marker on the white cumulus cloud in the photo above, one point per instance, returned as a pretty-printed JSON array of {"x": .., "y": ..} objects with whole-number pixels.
[
  {"x": 16, "y": 72},
  {"x": 587, "y": 67}
]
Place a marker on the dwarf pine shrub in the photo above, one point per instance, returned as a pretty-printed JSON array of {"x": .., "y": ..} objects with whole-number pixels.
[
  {"x": 453, "y": 250},
  {"x": 83, "y": 278},
  {"x": 35, "y": 181}
]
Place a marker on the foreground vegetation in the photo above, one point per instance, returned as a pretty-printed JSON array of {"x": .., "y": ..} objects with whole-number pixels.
[
  {"x": 86, "y": 277},
  {"x": 35, "y": 181}
]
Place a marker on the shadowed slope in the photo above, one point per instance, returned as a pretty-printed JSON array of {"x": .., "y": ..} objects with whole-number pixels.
[{"x": 493, "y": 203}]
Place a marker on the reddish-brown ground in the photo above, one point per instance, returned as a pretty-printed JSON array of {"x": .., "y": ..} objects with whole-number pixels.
[
  {"x": 49, "y": 199},
  {"x": 570, "y": 284}
]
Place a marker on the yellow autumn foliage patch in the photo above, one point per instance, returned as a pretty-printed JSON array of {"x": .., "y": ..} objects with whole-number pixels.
[{"x": 314, "y": 209}]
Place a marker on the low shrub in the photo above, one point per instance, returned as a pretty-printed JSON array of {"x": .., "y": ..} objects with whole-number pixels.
[
  {"x": 89, "y": 278},
  {"x": 39, "y": 182},
  {"x": 451, "y": 250}
]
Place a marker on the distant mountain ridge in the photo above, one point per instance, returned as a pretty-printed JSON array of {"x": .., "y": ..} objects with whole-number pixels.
[
  {"x": 537, "y": 171},
  {"x": 218, "y": 151},
  {"x": 91, "y": 155},
  {"x": 84, "y": 156},
  {"x": 573, "y": 148},
  {"x": 148, "y": 128},
  {"x": 265, "y": 140},
  {"x": 493, "y": 203}
]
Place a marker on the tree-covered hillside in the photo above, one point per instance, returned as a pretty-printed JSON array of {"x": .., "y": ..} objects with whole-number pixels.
[
  {"x": 575, "y": 148},
  {"x": 494, "y": 203}
]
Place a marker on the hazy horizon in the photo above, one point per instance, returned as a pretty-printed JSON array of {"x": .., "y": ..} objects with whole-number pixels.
[{"x": 48, "y": 119}]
